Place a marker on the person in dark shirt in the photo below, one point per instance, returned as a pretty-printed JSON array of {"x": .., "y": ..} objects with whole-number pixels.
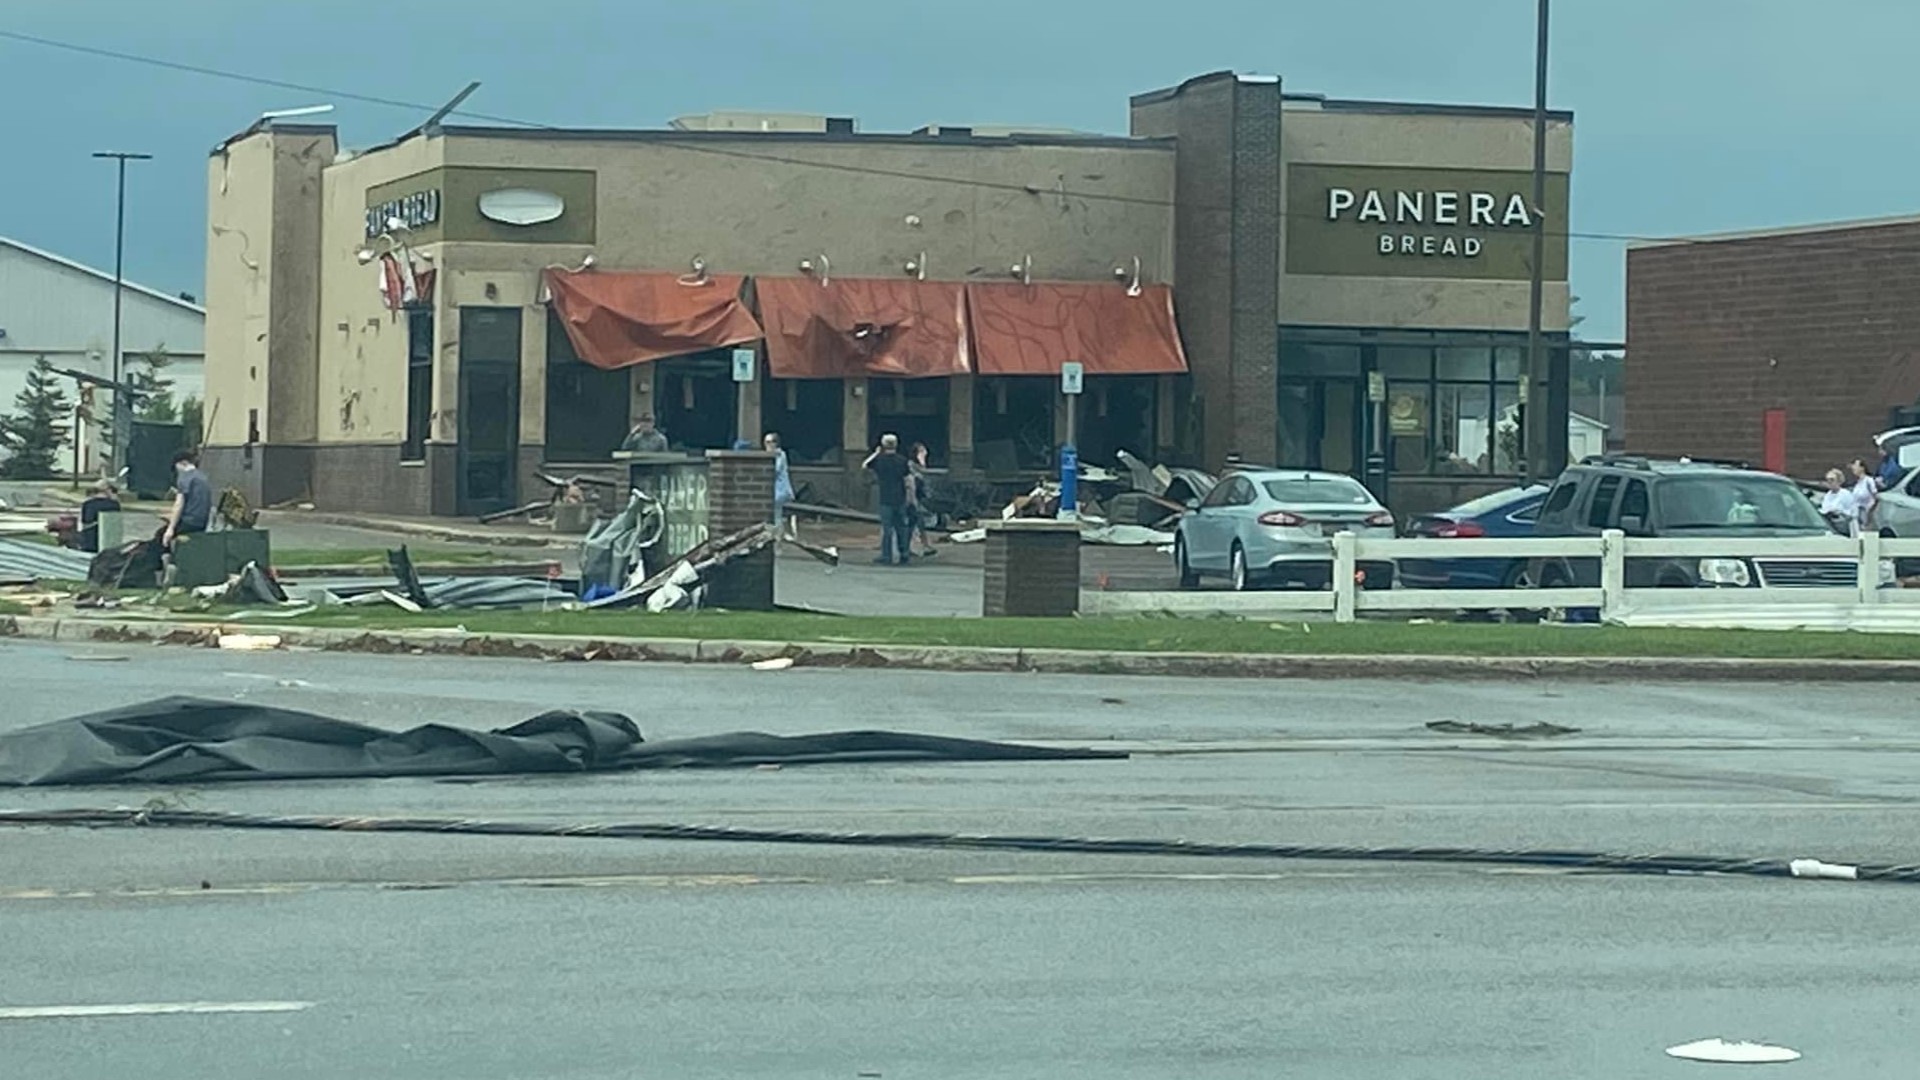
[
  {"x": 100, "y": 499},
  {"x": 193, "y": 505},
  {"x": 896, "y": 497}
]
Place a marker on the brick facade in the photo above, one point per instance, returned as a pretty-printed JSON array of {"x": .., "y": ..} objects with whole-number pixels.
[
  {"x": 740, "y": 495},
  {"x": 1032, "y": 568},
  {"x": 1822, "y": 324}
]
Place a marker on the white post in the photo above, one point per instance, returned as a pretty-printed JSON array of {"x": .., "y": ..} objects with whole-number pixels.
[
  {"x": 1613, "y": 572},
  {"x": 1868, "y": 576},
  {"x": 1343, "y": 585}
]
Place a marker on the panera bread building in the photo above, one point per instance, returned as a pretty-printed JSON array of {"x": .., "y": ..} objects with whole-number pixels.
[{"x": 421, "y": 327}]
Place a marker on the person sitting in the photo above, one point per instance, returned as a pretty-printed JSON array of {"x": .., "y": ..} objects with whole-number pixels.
[
  {"x": 193, "y": 500},
  {"x": 100, "y": 499}
]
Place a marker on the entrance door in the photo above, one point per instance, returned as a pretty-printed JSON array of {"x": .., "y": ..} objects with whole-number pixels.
[
  {"x": 489, "y": 421},
  {"x": 1320, "y": 425}
]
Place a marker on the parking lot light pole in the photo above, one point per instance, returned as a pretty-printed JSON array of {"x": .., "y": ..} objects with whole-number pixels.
[
  {"x": 122, "y": 417},
  {"x": 1533, "y": 439}
]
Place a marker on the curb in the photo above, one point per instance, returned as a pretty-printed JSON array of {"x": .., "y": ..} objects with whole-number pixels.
[{"x": 958, "y": 658}]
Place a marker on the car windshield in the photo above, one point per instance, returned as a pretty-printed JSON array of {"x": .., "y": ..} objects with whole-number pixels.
[
  {"x": 1318, "y": 490},
  {"x": 1723, "y": 502}
]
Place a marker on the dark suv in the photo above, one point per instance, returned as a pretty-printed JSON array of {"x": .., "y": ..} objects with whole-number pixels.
[{"x": 1682, "y": 498}]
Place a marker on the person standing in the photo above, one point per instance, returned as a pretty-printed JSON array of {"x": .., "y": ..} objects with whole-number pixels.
[
  {"x": 1890, "y": 471},
  {"x": 645, "y": 438},
  {"x": 782, "y": 478},
  {"x": 922, "y": 486},
  {"x": 897, "y": 505},
  {"x": 1866, "y": 494},
  {"x": 193, "y": 501},
  {"x": 1836, "y": 503}
]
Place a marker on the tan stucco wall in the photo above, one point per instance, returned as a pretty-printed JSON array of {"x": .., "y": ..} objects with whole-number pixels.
[
  {"x": 362, "y": 374},
  {"x": 262, "y": 216},
  {"x": 660, "y": 204},
  {"x": 1428, "y": 141}
]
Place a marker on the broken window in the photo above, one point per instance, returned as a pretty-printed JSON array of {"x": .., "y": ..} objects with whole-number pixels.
[
  {"x": 1013, "y": 422},
  {"x": 807, "y": 414},
  {"x": 419, "y": 383},
  {"x": 693, "y": 400},
  {"x": 1118, "y": 412},
  {"x": 913, "y": 409},
  {"x": 586, "y": 405}
]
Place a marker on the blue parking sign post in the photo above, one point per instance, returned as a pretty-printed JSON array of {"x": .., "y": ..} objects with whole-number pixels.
[{"x": 1071, "y": 380}]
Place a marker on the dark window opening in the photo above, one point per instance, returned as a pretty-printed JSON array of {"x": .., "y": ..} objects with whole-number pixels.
[
  {"x": 808, "y": 414},
  {"x": 1118, "y": 412},
  {"x": 586, "y": 405},
  {"x": 913, "y": 409},
  {"x": 1600, "y": 510},
  {"x": 419, "y": 384},
  {"x": 1013, "y": 422},
  {"x": 694, "y": 400}
]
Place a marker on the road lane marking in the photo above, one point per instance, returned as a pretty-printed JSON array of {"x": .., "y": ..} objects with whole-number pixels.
[{"x": 161, "y": 1008}]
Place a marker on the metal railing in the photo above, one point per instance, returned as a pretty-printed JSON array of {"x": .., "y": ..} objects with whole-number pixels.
[{"x": 1346, "y": 600}]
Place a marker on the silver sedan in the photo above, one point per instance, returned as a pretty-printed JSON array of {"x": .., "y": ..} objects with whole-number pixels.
[{"x": 1276, "y": 526}]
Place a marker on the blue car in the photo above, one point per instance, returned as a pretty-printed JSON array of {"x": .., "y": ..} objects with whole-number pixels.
[{"x": 1507, "y": 513}]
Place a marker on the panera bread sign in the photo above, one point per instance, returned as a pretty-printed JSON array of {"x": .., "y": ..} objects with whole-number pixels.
[{"x": 1395, "y": 222}]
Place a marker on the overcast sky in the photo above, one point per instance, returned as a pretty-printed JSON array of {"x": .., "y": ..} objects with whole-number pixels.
[{"x": 1692, "y": 116}]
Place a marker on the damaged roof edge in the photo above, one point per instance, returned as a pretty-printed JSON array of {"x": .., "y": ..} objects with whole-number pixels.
[
  {"x": 263, "y": 127},
  {"x": 670, "y": 135}
]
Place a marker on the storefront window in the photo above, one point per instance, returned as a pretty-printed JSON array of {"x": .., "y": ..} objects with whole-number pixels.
[
  {"x": 1013, "y": 422},
  {"x": 693, "y": 400},
  {"x": 1470, "y": 364},
  {"x": 419, "y": 383},
  {"x": 807, "y": 414},
  {"x": 1463, "y": 428},
  {"x": 586, "y": 405},
  {"x": 1402, "y": 362},
  {"x": 913, "y": 409},
  {"x": 1117, "y": 413},
  {"x": 1409, "y": 427},
  {"x": 1506, "y": 433},
  {"x": 1314, "y": 358}
]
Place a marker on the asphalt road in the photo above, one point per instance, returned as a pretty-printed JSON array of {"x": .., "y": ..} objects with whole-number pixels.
[{"x": 472, "y": 957}]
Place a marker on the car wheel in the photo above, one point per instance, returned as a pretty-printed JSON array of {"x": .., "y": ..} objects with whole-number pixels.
[
  {"x": 1189, "y": 579},
  {"x": 1521, "y": 577},
  {"x": 1237, "y": 574}
]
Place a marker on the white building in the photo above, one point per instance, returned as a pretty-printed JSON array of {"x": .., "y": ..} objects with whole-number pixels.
[{"x": 63, "y": 310}]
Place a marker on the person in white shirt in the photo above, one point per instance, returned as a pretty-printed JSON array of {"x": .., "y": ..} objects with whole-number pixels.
[
  {"x": 1836, "y": 504},
  {"x": 1866, "y": 494}
]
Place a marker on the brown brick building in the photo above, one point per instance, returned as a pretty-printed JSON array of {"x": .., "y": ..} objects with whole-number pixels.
[{"x": 1787, "y": 348}]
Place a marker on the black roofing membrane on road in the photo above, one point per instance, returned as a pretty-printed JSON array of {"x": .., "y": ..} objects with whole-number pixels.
[{"x": 182, "y": 739}]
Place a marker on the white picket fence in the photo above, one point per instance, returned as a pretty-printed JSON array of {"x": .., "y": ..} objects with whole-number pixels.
[{"x": 1346, "y": 602}]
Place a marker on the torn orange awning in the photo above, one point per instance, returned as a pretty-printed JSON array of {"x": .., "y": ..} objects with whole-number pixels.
[
  {"x": 863, "y": 326},
  {"x": 1032, "y": 329},
  {"x": 616, "y": 319}
]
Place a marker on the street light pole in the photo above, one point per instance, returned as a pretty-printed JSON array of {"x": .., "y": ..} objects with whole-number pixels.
[
  {"x": 1532, "y": 435},
  {"x": 122, "y": 424}
]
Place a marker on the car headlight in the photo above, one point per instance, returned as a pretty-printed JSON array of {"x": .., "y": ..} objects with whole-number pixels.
[{"x": 1725, "y": 572}]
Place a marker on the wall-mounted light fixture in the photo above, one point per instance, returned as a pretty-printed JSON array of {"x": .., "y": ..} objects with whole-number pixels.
[
  {"x": 1130, "y": 276},
  {"x": 817, "y": 267},
  {"x": 1022, "y": 270},
  {"x": 916, "y": 268}
]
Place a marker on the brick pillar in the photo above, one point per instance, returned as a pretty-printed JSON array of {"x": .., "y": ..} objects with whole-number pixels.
[
  {"x": 739, "y": 495},
  {"x": 1033, "y": 568}
]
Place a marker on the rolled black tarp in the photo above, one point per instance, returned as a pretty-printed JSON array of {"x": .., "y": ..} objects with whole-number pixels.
[{"x": 182, "y": 739}]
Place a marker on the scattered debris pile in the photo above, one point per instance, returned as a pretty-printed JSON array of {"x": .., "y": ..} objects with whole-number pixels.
[{"x": 1137, "y": 508}]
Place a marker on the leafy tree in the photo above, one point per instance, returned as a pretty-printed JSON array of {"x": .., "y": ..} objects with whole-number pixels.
[
  {"x": 154, "y": 390},
  {"x": 33, "y": 435}
]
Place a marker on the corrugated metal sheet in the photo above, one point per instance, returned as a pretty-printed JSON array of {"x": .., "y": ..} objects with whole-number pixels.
[{"x": 40, "y": 561}]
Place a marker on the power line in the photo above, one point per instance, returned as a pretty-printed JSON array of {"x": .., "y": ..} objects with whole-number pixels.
[{"x": 1801, "y": 241}]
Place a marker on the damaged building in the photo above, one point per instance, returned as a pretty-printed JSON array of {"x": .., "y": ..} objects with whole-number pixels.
[{"x": 425, "y": 326}]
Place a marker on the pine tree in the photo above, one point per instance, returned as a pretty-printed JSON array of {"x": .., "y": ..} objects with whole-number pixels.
[
  {"x": 154, "y": 400},
  {"x": 193, "y": 419},
  {"x": 33, "y": 435}
]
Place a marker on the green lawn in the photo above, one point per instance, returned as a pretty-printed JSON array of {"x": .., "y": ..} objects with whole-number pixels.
[
  {"x": 1159, "y": 634},
  {"x": 422, "y": 554}
]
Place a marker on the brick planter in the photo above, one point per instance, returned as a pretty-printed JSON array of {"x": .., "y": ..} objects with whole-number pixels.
[
  {"x": 740, "y": 495},
  {"x": 1033, "y": 568}
]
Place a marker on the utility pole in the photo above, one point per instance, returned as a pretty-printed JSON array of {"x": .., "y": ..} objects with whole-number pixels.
[
  {"x": 1533, "y": 439},
  {"x": 122, "y": 414}
]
